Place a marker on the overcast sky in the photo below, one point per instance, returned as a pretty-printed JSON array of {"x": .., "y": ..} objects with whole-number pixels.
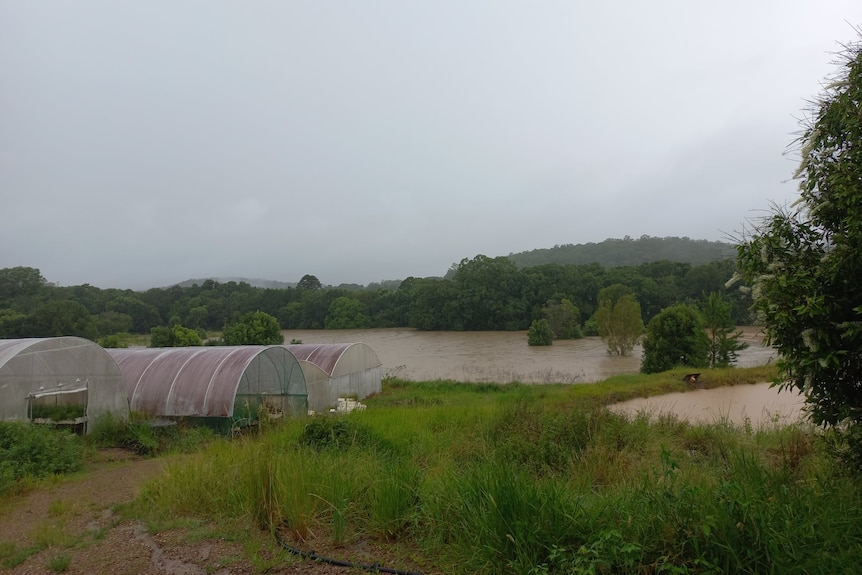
[{"x": 145, "y": 143}]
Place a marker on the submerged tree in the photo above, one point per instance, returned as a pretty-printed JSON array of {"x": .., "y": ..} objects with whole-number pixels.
[
  {"x": 805, "y": 262},
  {"x": 540, "y": 333},
  {"x": 254, "y": 328},
  {"x": 675, "y": 337},
  {"x": 724, "y": 341},
  {"x": 618, "y": 318},
  {"x": 564, "y": 319}
]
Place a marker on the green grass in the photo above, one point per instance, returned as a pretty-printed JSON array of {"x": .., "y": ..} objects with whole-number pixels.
[
  {"x": 59, "y": 563},
  {"x": 483, "y": 478},
  {"x": 487, "y": 478},
  {"x": 139, "y": 436}
]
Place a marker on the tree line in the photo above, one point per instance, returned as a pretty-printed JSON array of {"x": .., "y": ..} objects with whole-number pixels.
[{"x": 481, "y": 293}]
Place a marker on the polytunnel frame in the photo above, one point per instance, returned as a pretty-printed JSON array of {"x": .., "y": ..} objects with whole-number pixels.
[{"x": 206, "y": 382}]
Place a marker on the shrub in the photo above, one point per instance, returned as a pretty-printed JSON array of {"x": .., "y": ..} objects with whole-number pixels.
[
  {"x": 340, "y": 433},
  {"x": 112, "y": 342},
  {"x": 254, "y": 328},
  {"x": 675, "y": 337},
  {"x": 34, "y": 451},
  {"x": 540, "y": 333}
]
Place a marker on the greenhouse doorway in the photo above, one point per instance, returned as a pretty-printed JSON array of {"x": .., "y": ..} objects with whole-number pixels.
[{"x": 60, "y": 407}]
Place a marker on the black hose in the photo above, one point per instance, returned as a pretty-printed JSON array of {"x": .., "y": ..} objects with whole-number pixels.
[{"x": 374, "y": 568}]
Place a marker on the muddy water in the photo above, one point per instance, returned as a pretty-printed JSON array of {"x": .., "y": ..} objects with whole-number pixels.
[
  {"x": 505, "y": 356},
  {"x": 758, "y": 404},
  {"x": 497, "y": 356}
]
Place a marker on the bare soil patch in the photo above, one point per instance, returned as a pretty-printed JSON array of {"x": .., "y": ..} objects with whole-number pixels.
[{"x": 76, "y": 520}]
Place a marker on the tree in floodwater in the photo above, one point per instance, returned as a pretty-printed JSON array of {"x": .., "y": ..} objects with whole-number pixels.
[
  {"x": 724, "y": 341},
  {"x": 254, "y": 328},
  {"x": 618, "y": 318},
  {"x": 540, "y": 333},
  {"x": 564, "y": 319},
  {"x": 675, "y": 337}
]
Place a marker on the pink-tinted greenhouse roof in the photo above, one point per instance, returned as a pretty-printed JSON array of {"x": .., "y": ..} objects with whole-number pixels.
[
  {"x": 205, "y": 381},
  {"x": 326, "y": 356}
]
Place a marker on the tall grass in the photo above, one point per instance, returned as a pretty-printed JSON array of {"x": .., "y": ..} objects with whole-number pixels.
[{"x": 536, "y": 480}]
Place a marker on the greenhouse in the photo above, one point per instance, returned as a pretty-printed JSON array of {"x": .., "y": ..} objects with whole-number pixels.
[
  {"x": 225, "y": 385},
  {"x": 334, "y": 370},
  {"x": 59, "y": 381}
]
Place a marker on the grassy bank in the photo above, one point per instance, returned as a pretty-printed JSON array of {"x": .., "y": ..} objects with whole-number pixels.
[{"x": 465, "y": 478}]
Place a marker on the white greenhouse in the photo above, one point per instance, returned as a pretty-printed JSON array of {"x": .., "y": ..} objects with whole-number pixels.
[
  {"x": 59, "y": 380},
  {"x": 338, "y": 370}
]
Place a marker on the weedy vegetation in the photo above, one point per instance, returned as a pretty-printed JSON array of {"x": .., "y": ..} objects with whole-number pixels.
[
  {"x": 534, "y": 480},
  {"x": 492, "y": 479}
]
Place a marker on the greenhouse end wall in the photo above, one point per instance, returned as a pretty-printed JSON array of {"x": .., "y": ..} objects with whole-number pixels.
[{"x": 59, "y": 375}]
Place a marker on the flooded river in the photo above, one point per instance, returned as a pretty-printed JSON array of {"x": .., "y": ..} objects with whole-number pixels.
[
  {"x": 505, "y": 356},
  {"x": 497, "y": 356}
]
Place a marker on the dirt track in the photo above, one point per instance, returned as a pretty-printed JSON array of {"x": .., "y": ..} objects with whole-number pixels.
[{"x": 76, "y": 518}]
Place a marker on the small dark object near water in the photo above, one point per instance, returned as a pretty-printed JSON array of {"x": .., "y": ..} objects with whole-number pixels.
[{"x": 691, "y": 378}]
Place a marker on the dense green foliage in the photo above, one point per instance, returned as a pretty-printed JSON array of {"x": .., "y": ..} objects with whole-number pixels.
[
  {"x": 531, "y": 480},
  {"x": 482, "y": 293},
  {"x": 253, "y": 328},
  {"x": 140, "y": 436},
  {"x": 346, "y": 313},
  {"x": 174, "y": 336},
  {"x": 805, "y": 263},
  {"x": 309, "y": 282},
  {"x": 34, "y": 451},
  {"x": 675, "y": 337},
  {"x": 564, "y": 319},
  {"x": 540, "y": 333},
  {"x": 627, "y": 252}
]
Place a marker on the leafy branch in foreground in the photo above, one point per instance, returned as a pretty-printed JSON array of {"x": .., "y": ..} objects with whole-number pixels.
[{"x": 805, "y": 261}]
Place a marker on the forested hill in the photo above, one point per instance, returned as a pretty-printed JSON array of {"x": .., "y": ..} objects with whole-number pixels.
[
  {"x": 629, "y": 252},
  {"x": 254, "y": 282}
]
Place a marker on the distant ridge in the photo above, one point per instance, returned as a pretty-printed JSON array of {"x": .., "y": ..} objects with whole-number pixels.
[
  {"x": 253, "y": 282},
  {"x": 628, "y": 251},
  {"x": 612, "y": 252}
]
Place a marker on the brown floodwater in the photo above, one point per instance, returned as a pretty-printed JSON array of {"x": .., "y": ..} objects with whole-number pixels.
[
  {"x": 505, "y": 356},
  {"x": 757, "y": 404},
  {"x": 498, "y": 356}
]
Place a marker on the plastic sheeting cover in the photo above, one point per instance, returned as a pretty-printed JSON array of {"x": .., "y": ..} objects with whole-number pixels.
[
  {"x": 206, "y": 381},
  {"x": 334, "y": 370},
  {"x": 46, "y": 366}
]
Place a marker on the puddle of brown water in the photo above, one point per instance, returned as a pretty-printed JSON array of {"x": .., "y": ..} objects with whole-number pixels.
[
  {"x": 496, "y": 356},
  {"x": 758, "y": 404}
]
